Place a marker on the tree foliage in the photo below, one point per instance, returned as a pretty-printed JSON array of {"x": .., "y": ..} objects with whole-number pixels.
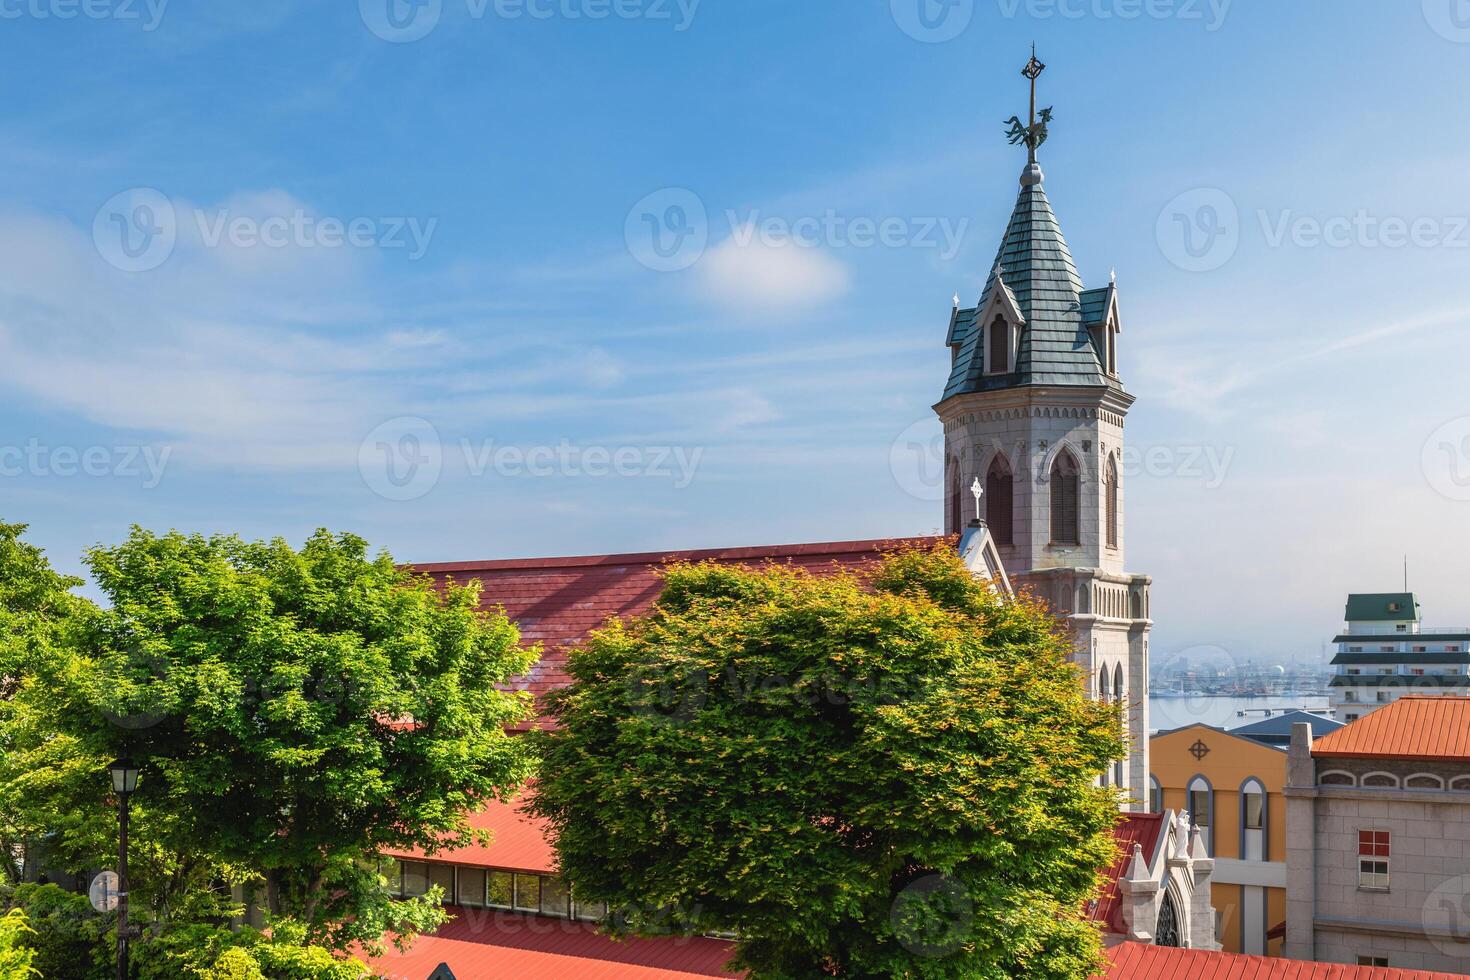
[
  {"x": 295, "y": 713},
  {"x": 891, "y": 776},
  {"x": 17, "y": 959}
]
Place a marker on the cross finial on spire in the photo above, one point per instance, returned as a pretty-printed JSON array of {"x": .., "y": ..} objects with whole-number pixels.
[
  {"x": 978, "y": 490},
  {"x": 956, "y": 300}
]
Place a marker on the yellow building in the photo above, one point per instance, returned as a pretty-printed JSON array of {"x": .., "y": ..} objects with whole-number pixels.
[{"x": 1231, "y": 786}]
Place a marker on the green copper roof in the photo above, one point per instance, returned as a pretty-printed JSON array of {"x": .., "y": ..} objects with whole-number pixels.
[
  {"x": 1382, "y": 607},
  {"x": 1035, "y": 264}
]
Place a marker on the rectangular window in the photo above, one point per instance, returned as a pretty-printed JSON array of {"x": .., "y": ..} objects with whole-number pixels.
[
  {"x": 1372, "y": 961},
  {"x": 1255, "y": 806},
  {"x": 1354, "y": 671},
  {"x": 1374, "y": 852},
  {"x": 393, "y": 871},
  {"x": 415, "y": 878},
  {"x": 1355, "y": 649},
  {"x": 442, "y": 876},
  {"x": 556, "y": 897},
  {"x": 1383, "y": 697},
  {"x": 471, "y": 887},
  {"x": 500, "y": 889},
  {"x": 1417, "y": 672},
  {"x": 588, "y": 911},
  {"x": 1199, "y": 807},
  {"x": 528, "y": 893},
  {"x": 1352, "y": 717},
  {"x": 1421, "y": 649}
]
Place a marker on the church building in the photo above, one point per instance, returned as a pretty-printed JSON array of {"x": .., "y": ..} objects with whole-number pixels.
[{"x": 1033, "y": 411}]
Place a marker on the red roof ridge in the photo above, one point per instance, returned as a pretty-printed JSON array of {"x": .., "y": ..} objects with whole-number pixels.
[{"x": 662, "y": 557}]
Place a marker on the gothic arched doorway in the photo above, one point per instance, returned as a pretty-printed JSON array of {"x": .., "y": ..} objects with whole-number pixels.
[{"x": 1167, "y": 932}]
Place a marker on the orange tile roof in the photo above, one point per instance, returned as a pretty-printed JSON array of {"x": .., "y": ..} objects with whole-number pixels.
[
  {"x": 480, "y": 944},
  {"x": 1422, "y": 728},
  {"x": 1134, "y": 961},
  {"x": 557, "y": 602},
  {"x": 521, "y": 843}
]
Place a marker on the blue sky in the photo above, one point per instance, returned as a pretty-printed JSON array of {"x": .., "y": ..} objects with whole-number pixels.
[{"x": 347, "y": 248}]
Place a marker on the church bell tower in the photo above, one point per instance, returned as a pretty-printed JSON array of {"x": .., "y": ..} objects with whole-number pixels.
[{"x": 1034, "y": 410}]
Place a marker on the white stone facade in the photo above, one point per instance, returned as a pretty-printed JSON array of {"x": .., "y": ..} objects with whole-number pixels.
[{"x": 1108, "y": 608}]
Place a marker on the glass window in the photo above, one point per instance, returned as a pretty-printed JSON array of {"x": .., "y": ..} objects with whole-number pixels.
[
  {"x": 500, "y": 889},
  {"x": 1255, "y": 805},
  {"x": 1374, "y": 851},
  {"x": 589, "y": 911},
  {"x": 415, "y": 878},
  {"x": 556, "y": 897},
  {"x": 471, "y": 887},
  {"x": 1199, "y": 807},
  {"x": 442, "y": 876},
  {"x": 528, "y": 893},
  {"x": 393, "y": 872}
]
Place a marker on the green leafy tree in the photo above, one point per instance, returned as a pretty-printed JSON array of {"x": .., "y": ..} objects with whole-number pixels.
[
  {"x": 891, "y": 776},
  {"x": 37, "y": 608},
  {"x": 16, "y": 957},
  {"x": 295, "y": 712}
]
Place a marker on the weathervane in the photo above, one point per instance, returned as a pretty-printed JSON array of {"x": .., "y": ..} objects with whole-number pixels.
[{"x": 1032, "y": 135}]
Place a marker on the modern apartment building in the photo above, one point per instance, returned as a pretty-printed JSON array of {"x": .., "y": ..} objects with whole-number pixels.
[{"x": 1386, "y": 653}]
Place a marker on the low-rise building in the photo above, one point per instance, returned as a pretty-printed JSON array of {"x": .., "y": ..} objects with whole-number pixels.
[
  {"x": 1386, "y": 653},
  {"x": 1231, "y": 788},
  {"x": 1378, "y": 839}
]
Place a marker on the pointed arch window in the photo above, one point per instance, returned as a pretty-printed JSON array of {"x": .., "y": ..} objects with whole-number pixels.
[
  {"x": 1064, "y": 492},
  {"x": 956, "y": 504},
  {"x": 1118, "y": 694},
  {"x": 1112, "y": 502},
  {"x": 1000, "y": 505},
  {"x": 999, "y": 353}
]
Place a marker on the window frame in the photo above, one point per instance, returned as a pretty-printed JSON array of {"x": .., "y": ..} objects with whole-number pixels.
[{"x": 1375, "y": 864}]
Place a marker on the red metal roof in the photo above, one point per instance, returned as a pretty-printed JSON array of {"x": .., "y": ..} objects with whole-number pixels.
[
  {"x": 1135, "y": 961},
  {"x": 521, "y": 842},
  {"x": 558, "y": 601},
  {"x": 480, "y": 944},
  {"x": 1143, "y": 829},
  {"x": 1423, "y": 728}
]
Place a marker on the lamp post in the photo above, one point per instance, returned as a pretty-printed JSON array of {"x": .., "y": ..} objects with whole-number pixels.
[{"x": 124, "y": 781}]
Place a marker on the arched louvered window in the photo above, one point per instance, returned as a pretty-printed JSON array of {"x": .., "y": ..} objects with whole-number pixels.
[
  {"x": 1000, "y": 346},
  {"x": 1064, "y": 491},
  {"x": 956, "y": 503},
  {"x": 1112, "y": 502},
  {"x": 999, "y": 501},
  {"x": 1118, "y": 694}
]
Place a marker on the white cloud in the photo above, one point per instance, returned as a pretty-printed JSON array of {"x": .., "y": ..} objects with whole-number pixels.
[{"x": 745, "y": 273}]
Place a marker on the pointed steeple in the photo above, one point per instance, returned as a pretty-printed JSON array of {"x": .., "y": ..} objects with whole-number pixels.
[{"x": 1035, "y": 268}]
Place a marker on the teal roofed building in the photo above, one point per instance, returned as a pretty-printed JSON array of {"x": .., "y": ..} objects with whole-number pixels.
[
  {"x": 1033, "y": 412},
  {"x": 1385, "y": 652}
]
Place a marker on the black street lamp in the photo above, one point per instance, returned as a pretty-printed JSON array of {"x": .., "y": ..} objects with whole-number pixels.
[{"x": 124, "y": 781}]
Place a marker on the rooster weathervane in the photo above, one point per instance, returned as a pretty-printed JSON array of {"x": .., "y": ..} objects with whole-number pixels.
[{"x": 1032, "y": 135}]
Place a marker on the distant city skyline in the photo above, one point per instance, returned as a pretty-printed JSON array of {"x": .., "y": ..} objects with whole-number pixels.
[{"x": 496, "y": 284}]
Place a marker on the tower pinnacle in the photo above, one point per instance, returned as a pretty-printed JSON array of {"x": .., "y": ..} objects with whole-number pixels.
[{"x": 1034, "y": 133}]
